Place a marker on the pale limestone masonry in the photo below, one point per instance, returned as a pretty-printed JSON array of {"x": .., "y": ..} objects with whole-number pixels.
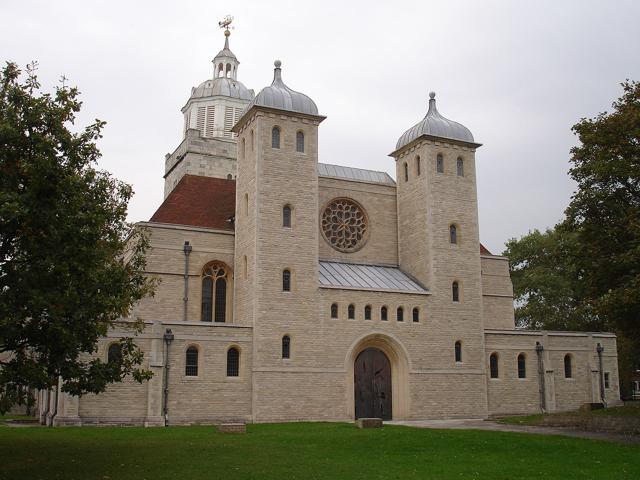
[{"x": 329, "y": 324}]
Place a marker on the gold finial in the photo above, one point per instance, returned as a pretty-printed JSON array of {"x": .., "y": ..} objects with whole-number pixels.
[{"x": 224, "y": 23}]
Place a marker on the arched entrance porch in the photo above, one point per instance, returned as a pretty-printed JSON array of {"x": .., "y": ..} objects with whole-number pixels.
[{"x": 378, "y": 351}]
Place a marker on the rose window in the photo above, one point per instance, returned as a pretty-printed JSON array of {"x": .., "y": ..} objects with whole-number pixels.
[{"x": 344, "y": 225}]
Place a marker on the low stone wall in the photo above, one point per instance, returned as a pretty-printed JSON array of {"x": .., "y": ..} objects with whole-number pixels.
[{"x": 596, "y": 423}]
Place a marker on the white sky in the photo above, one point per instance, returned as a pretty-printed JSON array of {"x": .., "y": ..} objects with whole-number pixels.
[{"x": 518, "y": 74}]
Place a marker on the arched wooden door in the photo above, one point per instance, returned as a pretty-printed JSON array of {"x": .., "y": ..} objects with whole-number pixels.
[{"x": 372, "y": 383}]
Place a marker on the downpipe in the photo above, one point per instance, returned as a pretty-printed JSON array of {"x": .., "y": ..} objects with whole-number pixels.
[
  {"x": 168, "y": 338},
  {"x": 541, "y": 379}
]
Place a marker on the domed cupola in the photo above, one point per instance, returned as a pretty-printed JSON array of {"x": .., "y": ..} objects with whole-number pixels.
[
  {"x": 217, "y": 103},
  {"x": 281, "y": 97},
  {"x": 435, "y": 125}
]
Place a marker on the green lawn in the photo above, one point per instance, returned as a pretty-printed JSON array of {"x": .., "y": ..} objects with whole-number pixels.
[{"x": 305, "y": 451}]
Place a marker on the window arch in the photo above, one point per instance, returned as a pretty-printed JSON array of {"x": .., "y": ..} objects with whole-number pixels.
[
  {"x": 215, "y": 291},
  {"x": 383, "y": 313},
  {"x": 455, "y": 291},
  {"x": 114, "y": 353},
  {"x": 458, "y": 351},
  {"x": 400, "y": 314},
  {"x": 191, "y": 362},
  {"x": 233, "y": 362},
  {"x": 334, "y": 310},
  {"x": 460, "y": 166},
  {"x": 416, "y": 314},
  {"x": 568, "y": 367},
  {"x": 351, "y": 311},
  {"x": 522, "y": 366},
  {"x": 286, "y": 280},
  {"x": 493, "y": 365},
  {"x": 300, "y": 142},
  {"x": 418, "y": 165},
  {"x": 367, "y": 312},
  {"x": 453, "y": 234},
  {"x": 286, "y": 346},
  {"x": 286, "y": 216},
  {"x": 440, "y": 163},
  {"x": 275, "y": 137}
]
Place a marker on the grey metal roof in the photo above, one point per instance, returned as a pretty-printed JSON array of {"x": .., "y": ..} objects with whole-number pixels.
[
  {"x": 226, "y": 51},
  {"x": 350, "y": 173},
  {"x": 367, "y": 277},
  {"x": 279, "y": 96},
  {"x": 225, "y": 86},
  {"x": 436, "y": 125}
]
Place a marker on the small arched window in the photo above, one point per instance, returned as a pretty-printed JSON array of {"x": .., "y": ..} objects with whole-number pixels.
[
  {"x": 114, "y": 353},
  {"x": 351, "y": 311},
  {"x": 252, "y": 141},
  {"x": 229, "y": 177},
  {"x": 400, "y": 314},
  {"x": 233, "y": 362},
  {"x": 286, "y": 280},
  {"x": 458, "y": 351},
  {"x": 460, "y": 164},
  {"x": 245, "y": 267},
  {"x": 300, "y": 142},
  {"x": 221, "y": 70},
  {"x": 367, "y": 312},
  {"x": 568, "y": 369},
  {"x": 334, "y": 310},
  {"x": 439, "y": 163},
  {"x": 453, "y": 234},
  {"x": 246, "y": 204},
  {"x": 214, "y": 293},
  {"x": 522, "y": 366},
  {"x": 383, "y": 314},
  {"x": 286, "y": 346},
  {"x": 242, "y": 148},
  {"x": 455, "y": 291},
  {"x": 191, "y": 362},
  {"x": 416, "y": 314},
  {"x": 286, "y": 216},
  {"x": 275, "y": 137},
  {"x": 418, "y": 165},
  {"x": 406, "y": 172},
  {"x": 493, "y": 365}
]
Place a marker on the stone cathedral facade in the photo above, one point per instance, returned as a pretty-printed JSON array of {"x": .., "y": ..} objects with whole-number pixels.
[{"x": 297, "y": 290}]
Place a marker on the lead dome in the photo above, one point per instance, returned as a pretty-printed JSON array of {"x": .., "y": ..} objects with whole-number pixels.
[
  {"x": 280, "y": 96},
  {"x": 435, "y": 125}
]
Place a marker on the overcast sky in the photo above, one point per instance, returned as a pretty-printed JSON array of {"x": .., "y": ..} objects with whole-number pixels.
[{"x": 518, "y": 74}]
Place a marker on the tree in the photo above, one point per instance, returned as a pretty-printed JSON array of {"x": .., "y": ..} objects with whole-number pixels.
[
  {"x": 605, "y": 211},
  {"x": 70, "y": 265},
  {"x": 584, "y": 274}
]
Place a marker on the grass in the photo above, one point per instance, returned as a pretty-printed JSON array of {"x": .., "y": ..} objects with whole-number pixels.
[
  {"x": 305, "y": 451},
  {"x": 632, "y": 410}
]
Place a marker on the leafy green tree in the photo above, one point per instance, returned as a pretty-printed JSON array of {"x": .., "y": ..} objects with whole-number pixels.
[
  {"x": 70, "y": 265},
  {"x": 605, "y": 211},
  {"x": 584, "y": 274}
]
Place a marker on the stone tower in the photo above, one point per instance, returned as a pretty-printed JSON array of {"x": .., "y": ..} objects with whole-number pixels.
[
  {"x": 277, "y": 257},
  {"x": 438, "y": 228},
  {"x": 209, "y": 147}
]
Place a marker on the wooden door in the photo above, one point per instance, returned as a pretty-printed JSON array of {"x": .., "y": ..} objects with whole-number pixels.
[{"x": 372, "y": 383}]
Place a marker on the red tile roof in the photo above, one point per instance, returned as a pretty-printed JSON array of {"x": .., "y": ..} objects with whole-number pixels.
[{"x": 199, "y": 202}]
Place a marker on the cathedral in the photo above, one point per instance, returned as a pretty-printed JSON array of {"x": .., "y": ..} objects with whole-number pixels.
[{"x": 294, "y": 290}]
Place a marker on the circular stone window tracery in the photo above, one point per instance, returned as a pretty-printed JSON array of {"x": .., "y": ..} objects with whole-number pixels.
[{"x": 344, "y": 225}]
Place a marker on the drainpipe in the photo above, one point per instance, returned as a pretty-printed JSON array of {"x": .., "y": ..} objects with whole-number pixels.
[
  {"x": 187, "y": 250},
  {"x": 600, "y": 349},
  {"x": 541, "y": 380},
  {"x": 168, "y": 338}
]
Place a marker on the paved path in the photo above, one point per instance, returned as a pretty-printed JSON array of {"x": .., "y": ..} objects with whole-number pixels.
[{"x": 479, "y": 424}]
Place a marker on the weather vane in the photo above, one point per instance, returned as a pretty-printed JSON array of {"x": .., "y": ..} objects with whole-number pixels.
[{"x": 226, "y": 21}]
